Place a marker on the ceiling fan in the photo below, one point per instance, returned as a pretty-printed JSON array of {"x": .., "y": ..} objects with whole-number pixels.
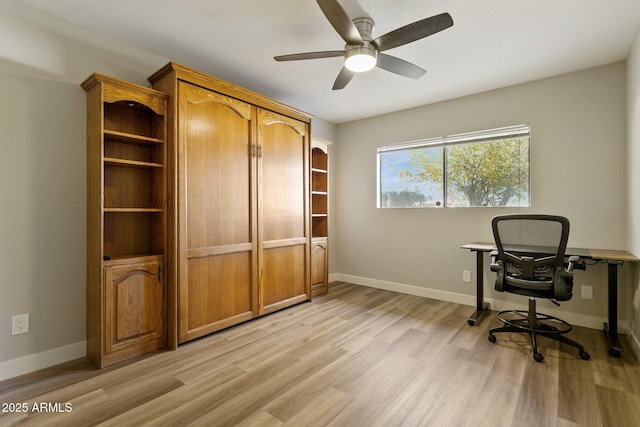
[{"x": 362, "y": 53}]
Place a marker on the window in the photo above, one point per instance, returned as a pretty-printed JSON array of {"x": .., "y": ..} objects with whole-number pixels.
[{"x": 486, "y": 168}]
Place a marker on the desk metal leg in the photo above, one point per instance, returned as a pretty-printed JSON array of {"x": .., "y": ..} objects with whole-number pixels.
[
  {"x": 611, "y": 329},
  {"x": 481, "y": 306}
]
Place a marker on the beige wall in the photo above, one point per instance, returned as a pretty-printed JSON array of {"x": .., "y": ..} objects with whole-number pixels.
[
  {"x": 43, "y": 60},
  {"x": 633, "y": 179},
  {"x": 577, "y": 170}
]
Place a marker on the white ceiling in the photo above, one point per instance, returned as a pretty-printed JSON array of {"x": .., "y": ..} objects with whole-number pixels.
[{"x": 492, "y": 44}]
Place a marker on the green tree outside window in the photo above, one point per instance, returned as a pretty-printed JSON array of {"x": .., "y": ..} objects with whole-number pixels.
[{"x": 486, "y": 173}]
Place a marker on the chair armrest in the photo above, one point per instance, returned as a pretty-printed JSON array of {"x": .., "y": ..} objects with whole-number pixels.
[
  {"x": 495, "y": 264},
  {"x": 575, "y": 262}
]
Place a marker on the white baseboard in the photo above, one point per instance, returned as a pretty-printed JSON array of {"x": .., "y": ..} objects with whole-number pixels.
[
  {"x": 407, "y": 289},
  {"x": 577, "y": 319},
  {"x": 34, "y": 362}
]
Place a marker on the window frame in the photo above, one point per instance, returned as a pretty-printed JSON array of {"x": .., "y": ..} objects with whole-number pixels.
[{"x": 476, "y": 137}]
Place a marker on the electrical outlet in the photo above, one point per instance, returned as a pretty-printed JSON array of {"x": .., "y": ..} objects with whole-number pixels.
[
  {"x": 20, "y": 324},
  {"x": 587, "y": 292},
  {"x": 466, "y": 276}
]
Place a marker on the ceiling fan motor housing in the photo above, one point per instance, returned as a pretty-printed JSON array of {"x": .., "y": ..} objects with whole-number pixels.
[
  {"x": 360, "y": 58},
  {"x": 365, "y": 28}
]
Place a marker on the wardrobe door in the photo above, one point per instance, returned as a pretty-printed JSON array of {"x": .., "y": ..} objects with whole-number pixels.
[
  {"x": 283, "y": 196},
  {"x": 134, "y": 310},
  {"x": 217, "y": 269}
]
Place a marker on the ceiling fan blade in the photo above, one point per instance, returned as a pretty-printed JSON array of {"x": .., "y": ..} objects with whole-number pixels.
[
  {"x": 310, "y": 55},
  {"x": 344, "y": 77},
  {"x": 399, "y": 66},
  {"x": 339, "y": 19},
  {"x": 412, "y": 32}
]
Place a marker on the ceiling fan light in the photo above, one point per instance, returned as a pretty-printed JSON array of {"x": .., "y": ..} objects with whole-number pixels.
[{"x": 360, "y": 59}]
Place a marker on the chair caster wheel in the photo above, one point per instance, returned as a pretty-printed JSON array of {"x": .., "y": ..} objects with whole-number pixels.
[
  {"x": 471, "y": 322},
  {"x": 584, "y": 355},
  {"x": 492, "y": 338},
  {"x": 614, "y": 353},
  {"x": 538, "y": 357}
]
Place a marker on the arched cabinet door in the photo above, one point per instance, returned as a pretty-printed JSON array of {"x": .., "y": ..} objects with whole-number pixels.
[
  {"x": 319, "y": 263},
  {"x": 283, "y": 211},
  {"x": 217, "y": 240},
  {"x": 134, "y": 309}
]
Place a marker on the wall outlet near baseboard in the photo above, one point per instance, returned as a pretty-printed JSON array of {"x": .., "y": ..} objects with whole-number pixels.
[
  {"x": 587, "y": 292},
  {"x": 20, "y": 324},
  {"x": 466, "y": 276}
]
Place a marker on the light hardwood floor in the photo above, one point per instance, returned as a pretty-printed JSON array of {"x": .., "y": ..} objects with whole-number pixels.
[{"x": 354, "y": 357}]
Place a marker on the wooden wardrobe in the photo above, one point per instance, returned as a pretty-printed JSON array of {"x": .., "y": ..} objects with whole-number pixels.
[{"x": 239, "y": 224}]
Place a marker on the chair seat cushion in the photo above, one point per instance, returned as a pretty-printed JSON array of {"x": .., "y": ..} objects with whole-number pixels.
[{"x": 540, "y": 284}]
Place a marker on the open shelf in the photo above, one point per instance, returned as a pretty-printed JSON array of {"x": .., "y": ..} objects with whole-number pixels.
[
  {"x": 132, "y": 259},
  {"x": 132, "y": 233},
  {"x": 131, "y": 138},
  {"x": 133, "y": 210},
  {"x": 138, "y": 150},
  {"x": 319, "y": 226},
  {"x": 319, "y": 204},
  {"x": 319, "y": 193},
  {"x": 133, "y": 187},
  {"x": 134, "y": 121},
  {"x": 319, "y": 219},
  {"x": 131, "y": 163},
  {"x": 319, "y": 181},
  {"x": 319, "y": 159}
]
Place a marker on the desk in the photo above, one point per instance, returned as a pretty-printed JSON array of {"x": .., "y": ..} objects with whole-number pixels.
[{"x": 612, "y": 258}]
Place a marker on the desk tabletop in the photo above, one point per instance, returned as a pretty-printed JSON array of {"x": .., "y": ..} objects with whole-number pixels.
[
  {"x": 605, "y": 254},
  {"x": 596, "y": 254}
]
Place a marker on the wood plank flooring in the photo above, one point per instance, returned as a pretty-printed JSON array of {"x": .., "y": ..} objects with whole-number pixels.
[{"x": 354, "y": 357}]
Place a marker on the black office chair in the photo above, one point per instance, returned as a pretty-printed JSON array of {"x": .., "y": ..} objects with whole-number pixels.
[{"x": 530, "y": 261}]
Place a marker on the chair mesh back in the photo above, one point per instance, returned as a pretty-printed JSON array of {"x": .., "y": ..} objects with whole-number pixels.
[
  {"x": 530, "y": 232},
  {"x": 544, "y": 234}
]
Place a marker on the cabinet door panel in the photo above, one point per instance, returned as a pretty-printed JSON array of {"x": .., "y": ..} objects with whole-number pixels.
[
  {"x": 283, "y": 278},
  {"x": 284, "y": 211},
  {"x": 134, "y": 305},
  {"x": 217, "y": 233},
  {"x": 318, "y": 263},
  {"x": 319, "y": 268},
  {"x": 283, "y": 182},
  {"x": 218, "y": 290},
  {"x": 217, "y": 171}
]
